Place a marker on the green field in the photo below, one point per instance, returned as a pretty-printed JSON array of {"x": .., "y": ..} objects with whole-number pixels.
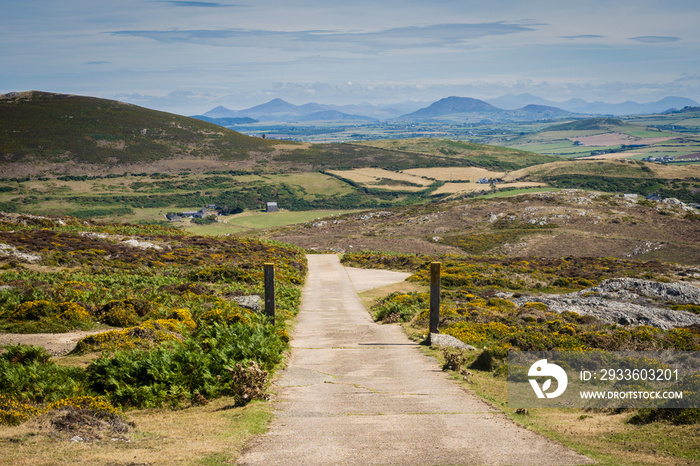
[{"x": 259, "y": 221}]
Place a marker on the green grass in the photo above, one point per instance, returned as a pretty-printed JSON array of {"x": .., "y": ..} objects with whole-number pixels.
[
  {"x": 469, "y": 153},
  {"x": 129, "y": 198},
  {"x": 315, "y": 184},
  {"x": 58, "y": 128}
]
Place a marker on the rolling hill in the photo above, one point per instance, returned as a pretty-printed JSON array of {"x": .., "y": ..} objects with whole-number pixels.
[
  {"x": 452, "y": 105},
  {"x": 40, "y": 127},
  {"x": 44, "y": 133},
  {"x": 568, "y": 223},
  {"x": 465, "y": 109}
]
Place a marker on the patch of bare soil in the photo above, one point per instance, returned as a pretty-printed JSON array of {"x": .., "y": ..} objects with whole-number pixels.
[{"x": 57, "y": 344}]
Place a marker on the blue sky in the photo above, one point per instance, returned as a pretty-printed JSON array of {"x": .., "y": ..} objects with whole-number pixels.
[{"x": 190, "y": 56}]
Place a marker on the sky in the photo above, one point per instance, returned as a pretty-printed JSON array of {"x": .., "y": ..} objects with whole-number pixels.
[{"x": 188, "y": 57}]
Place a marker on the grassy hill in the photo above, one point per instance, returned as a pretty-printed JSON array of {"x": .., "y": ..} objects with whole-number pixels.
[
  {"x": 44, "y": 133},
  {"x": 39, "y": 126},
  {"x": 469, "y": 154},
  {"x": 567, "y": 223},
  {"x": 91, "y": 157},
  {"x": 672, "y": 135}
]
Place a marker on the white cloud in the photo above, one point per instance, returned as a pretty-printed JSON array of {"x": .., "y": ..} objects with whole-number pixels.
[{"x": 182, "y": 56}]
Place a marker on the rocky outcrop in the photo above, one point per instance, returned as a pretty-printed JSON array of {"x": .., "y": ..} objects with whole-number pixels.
[
  {"x": 7, "y": 250},
  {"x": 631, "y": 289},
  {"x": 627, "y": 301},
  {"x": 440, "y": 339}
]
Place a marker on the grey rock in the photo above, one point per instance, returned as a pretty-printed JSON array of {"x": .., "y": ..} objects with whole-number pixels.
[
  {"x": 251, "y": 302},
  {"x": 440, "y": 339},
  {"x": 632, "y": 288},
  {"x": 627, "y": 301}
]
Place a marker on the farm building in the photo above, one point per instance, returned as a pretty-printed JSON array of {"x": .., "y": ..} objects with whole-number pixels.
[{"x": 272, "y": 207}]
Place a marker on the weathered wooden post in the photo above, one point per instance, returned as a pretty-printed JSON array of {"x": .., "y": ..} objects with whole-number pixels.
[
  {"x": 270, "y": 291},
  {"x": 434, "y": 296}
]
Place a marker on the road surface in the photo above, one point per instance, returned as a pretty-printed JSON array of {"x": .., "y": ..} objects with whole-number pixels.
[{"x": 359, "y": 393}]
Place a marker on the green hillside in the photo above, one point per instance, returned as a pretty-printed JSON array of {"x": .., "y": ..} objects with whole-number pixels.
[
  {"x": 629, "y": 138},
  {"x": 38, "y": 126},
  {"x": 468, "y": 153},
  {"x": 588, "y": 124}
]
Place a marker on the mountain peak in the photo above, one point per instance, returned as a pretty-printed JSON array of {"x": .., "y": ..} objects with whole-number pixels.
[
  {"x": 452, "y": 105},
  {"x": 220, "y": 112}
]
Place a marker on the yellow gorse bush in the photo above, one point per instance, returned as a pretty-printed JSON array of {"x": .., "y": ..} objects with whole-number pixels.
[
  {"x": 148, "y": 334},
  {"x": 74, "y": 312},
  {"x": 13, "y": 412}
]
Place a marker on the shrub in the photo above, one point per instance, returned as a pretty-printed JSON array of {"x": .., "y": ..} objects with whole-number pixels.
[
  {"x": 34, "y": 310},
  {"x": 225, "y": 316},
  {"x": 248, "y": 382},
  {"x": 144, "y": 336},
  {"x": 184, "y": 316},
  {"x": 95, "y": 403},
  {"x": 14, "y": 412},
  {"x": 227, "y": 274},
  {"x": 40, "y": 382},
  {"x": 454, "y": 361},
  {"x": 400, "y": 306},
  {"x": 73, "y": 312},
  {"x": 198, "y": 366},
  {"x": 675, "y": 416},
  {"x": 23, "y": 354},
  {"x": 488, "y": 360},
  {"x": 119, "y": 314}
]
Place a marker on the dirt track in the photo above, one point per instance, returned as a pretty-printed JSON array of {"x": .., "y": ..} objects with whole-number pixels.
[
  {"x": 55, "y": 343},
  {"x": 359, "y": 393}
]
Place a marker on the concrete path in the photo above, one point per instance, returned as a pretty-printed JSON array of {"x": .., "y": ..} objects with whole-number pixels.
[{"x": 359, "y": 393}]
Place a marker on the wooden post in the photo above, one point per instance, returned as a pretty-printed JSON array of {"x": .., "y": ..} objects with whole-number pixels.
[
  {"x": 434, "y": 296},
  {"x": 270, "y": 291}
]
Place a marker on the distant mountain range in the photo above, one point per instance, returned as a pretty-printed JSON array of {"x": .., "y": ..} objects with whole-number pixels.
[
  {"x": 595, "y": 108},
  {"x": 282, "y": 111},
  {"x": 520, "y": 107}
]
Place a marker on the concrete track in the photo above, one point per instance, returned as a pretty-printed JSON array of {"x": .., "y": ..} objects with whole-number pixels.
[{"x": 359, "y": 393}]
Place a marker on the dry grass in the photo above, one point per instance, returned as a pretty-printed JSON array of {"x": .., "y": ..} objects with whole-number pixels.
[
  {"x": 675, "y": 171},
  {"x": 585, "y": 166},
  {"x": 453, "y": 188},
  {"x": 609, "y": 439},
  {"x": 454, "y": 173},
  {"x": 614, "y": 139},
  {"x": 612, "y": 156},
  {"x": 373, "y": 176},
  {"x": 291, "y": 146},
  {"x": 212, "y": 434}
]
